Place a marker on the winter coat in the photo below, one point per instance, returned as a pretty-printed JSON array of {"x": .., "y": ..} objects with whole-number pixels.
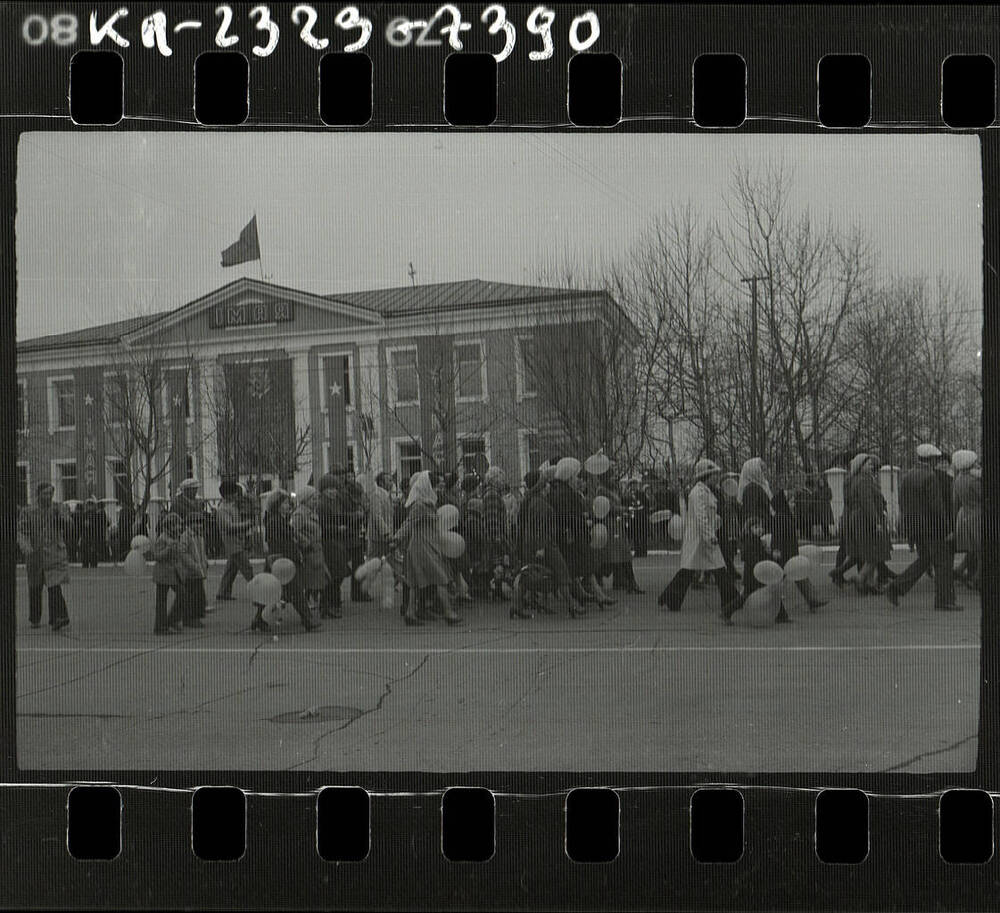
[
  {"x": 41, "y": 535},
  {"x": 314, "y": 574},
  {"x": 572, "y": 535},
  {"x": 700, "y": 545},
  {"x": 783, "y": 537},
  {"x": 752, "y": 551},
  {"x": 281, "y": 540},
  {"x": 380, "y": 525},
  {"x": 191, "y": 563},
  {"x": 865, "y": 535},
  {"x": 425, "y": 564},
  {"x": 756, "y": 503},
  {"x": 332, "y": 516},
  {"x": 233, "y": 528},
  {"x": 968, "y": 495},
  {"x": 823, "y": 498},
  {"x": 922, "y": 505},
  {"x": 617, "y": 551},
  {"x": 168, "y": 552}
]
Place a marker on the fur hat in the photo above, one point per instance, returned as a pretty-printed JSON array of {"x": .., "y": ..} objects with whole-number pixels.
[
  {"x": 329, "y": 480},
  {"x": 189, "y": 483},
  {"x": 228, "y": 488},
  {"x": 927, "y": 452}
]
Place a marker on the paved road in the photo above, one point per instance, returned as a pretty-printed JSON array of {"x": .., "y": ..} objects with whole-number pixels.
[{"x": 856, "y": 687}]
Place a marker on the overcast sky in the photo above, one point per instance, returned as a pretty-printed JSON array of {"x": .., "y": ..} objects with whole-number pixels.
[{"x": 110, "y": 225}]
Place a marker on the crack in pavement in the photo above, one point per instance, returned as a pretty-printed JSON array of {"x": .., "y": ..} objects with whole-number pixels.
[
  {"x": 928, "y": 754},
  {"x": 378, "y": 706},
  {"x": 199, "y": 707},
  {"x": 106, "y": 666}
]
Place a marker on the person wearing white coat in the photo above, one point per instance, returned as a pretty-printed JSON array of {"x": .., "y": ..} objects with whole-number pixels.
[{"x": 700, "y": 549}]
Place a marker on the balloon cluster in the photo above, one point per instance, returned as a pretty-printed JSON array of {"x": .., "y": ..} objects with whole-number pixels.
[
  {"x": 761, "y": 607},
  {"x": 378, "y": 580},
  {"x": 452, "y": 543},
  {"x": 135, "y": 561}
]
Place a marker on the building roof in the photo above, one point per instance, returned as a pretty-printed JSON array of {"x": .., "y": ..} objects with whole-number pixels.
[
  {"x": 451, "y": 296},
  {"x": 388, "y": 302},
  {"x": 89, "y": 336}
]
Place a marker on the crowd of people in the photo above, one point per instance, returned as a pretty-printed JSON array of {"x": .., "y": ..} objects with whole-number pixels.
[{"x": 560, "y": 540}]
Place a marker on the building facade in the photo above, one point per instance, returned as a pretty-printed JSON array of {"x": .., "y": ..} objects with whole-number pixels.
[{"x": 255, "y": 380}]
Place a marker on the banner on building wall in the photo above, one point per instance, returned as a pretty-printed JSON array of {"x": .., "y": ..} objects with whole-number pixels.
[
  {"x": 90, "y": 434},
  {"x": 257, "y": 432},
  {"x": 335, "y": 377}
]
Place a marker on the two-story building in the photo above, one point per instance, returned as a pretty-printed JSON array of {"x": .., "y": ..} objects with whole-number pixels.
[{"x": 258, "y": 380}]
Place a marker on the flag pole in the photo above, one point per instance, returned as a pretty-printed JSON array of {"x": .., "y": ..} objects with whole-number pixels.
[{"x": 260, "y": 259}]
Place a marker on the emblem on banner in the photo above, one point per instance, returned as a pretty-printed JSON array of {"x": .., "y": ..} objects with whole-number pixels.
[{"x": 259, "y": 381}]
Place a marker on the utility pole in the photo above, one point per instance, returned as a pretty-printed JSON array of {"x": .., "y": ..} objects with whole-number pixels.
[
  {"x": 756, "y": 416},
  {"x": 413, "y": 275}
]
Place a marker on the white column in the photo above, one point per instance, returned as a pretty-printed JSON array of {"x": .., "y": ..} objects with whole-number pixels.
[
  {"x": 303, "y": 413},
  {"x": 368, "y": 400}
]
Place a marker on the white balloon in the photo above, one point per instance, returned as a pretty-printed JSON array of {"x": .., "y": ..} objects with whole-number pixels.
[
  {"x": 284, "y": 570},
  {"x": 597, "y": 464},
  {"x": 602, "y": 507},
  {"x": 452, "y": 544},
  {"x": 768, "y": 572},
  {"x": 675, "y": 528},
  {"x": 731, "y": 487},
  {"x": 813, "y": 552},
  {"x": 264, "y": 589},
  {"x": 368, "y": 567},
  {"x": 660, "y": 516},
  {"x": 598, "y": 536},
  {"x": 135, "y": 564},
  {"x": 140, "y": 543},
  {"x": 448, "y": 516},
  {"x": 797, "y": 567},
  {"x": 760, "y": 608}
]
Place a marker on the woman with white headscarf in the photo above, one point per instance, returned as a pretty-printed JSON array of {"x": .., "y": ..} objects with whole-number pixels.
[
  {"x": 425, "y": 564},
  {"x": 967, "y": 492}
]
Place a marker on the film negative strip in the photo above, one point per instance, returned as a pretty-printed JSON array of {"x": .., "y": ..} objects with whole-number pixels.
[{"x": 424, "y": 419}]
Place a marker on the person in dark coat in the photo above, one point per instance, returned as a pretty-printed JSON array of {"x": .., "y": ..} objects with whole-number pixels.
[
  {"x": 234, "y": 530},
  {"x": 41, "y": 531},
  {"x": 930, "y": 524},
  {"x": 823, "y": 496},
  {"x": 74, "y": 534},
  {"x": 93, "y": 533},
  {"x": 334, "y": 511},
  {"x": 731, "y": 515},
  {"x": 168, "y": 575},
  {"x": 753, "y": 551},
  {"x": 866, "y": 539},
  {"x": 636, "y": 501},
  {"x": 785, "y": 543},
  {"x": 356, "y": 533},
  {"x": 282, "y": 541}
]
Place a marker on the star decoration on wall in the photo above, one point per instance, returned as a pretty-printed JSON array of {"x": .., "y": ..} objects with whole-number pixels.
[
  {"x": 334, "y": 389},
  {"x": 88, "y": 400}
]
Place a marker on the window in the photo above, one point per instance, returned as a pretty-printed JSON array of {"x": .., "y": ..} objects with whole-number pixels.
[
  {"x": 118, "y": 482},
  {"x": 410, "y": 459},
  {"x": 527, "y": 367},
  {"x": 337, "y": 370},
  {"x": 21, "y": 418},
  {"x": 404, "y": 385},
  {"x": 531, "y": 452},
  {"x": 189, "y": 467},
  {"x": 470, "y": 368},
  {"x": 23, "y": 485},
  {"x": 62, "y": 403},
  {"x": 64, "y": 479},
  {"x": 469, "y": 448}
]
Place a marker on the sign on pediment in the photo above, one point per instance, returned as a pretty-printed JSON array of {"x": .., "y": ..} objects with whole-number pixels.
[{"x": 250, "y": 313}]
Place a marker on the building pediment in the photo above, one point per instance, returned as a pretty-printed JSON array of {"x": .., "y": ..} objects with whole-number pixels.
[{"x": 248, "y": 307}]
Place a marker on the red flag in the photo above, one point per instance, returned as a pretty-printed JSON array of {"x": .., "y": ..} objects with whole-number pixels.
[
  {"x": 335, "y": 375},
  {"x": 244, "y": 250}
]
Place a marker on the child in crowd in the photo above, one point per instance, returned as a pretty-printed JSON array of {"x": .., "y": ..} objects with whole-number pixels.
[
  {"x": 753, "y": 551},
  {"x": 168, "y": 553}
]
